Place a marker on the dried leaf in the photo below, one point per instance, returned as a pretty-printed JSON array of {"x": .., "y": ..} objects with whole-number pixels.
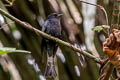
[{"x": 112, "y": 47}]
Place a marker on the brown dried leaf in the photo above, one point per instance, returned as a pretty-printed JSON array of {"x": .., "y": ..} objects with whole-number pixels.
[{"x": 112, "y": 47}]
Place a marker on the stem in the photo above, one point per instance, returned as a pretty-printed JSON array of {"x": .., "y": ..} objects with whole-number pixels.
[
  {"x": 60, "y": 42},
  {"x": 101, "y": 7},
  {"x": 110, "y": 70},
  {"x": 116, "y": 15}
]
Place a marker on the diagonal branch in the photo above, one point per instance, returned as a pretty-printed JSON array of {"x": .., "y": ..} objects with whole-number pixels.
[{"x": 60, "y": 42}]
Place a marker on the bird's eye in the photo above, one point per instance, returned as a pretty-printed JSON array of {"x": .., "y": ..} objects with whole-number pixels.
[{"x": 55, "y": 15}]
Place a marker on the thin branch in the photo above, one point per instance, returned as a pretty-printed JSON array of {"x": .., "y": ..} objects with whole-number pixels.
[
  {"x": 106, "y": 71},
  {"x": 5, "y": 25},
  {"x": 10, "y": 3},
  {"x": 101, "y": 7},
  {"x": 60, "y": 42},
  {"x": 110, "y": 70}
]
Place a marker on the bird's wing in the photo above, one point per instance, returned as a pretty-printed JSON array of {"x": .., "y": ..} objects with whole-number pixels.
[
  {"x": 43, "y": 41},
  {"x": 45, "y": 26}
]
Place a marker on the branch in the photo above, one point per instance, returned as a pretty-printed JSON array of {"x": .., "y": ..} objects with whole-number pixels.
[
  {"x": 60, "y": 42},
  {"x": 110, "y": 70},
  {"x": 101, "y": 7}
]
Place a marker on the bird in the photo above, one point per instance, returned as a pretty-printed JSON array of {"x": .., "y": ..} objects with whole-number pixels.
[{"x": 52, "y": 26}]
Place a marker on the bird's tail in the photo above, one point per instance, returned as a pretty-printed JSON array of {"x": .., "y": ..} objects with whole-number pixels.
[{"x": 50, "y": 68}]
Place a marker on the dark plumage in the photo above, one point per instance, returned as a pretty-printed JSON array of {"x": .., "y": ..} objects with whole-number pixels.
[{"x": 52, "y": 27}]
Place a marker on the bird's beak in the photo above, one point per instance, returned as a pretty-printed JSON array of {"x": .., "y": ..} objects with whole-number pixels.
[{"x": 59, "y": 15}]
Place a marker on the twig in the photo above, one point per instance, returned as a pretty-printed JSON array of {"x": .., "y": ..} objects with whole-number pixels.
[
  {"x": 107, "y": 32},
  {"x": 101, "y": 7},
  {"x": 106, "y": 71},
  {"x": 10, "y": 3},
  {"x": 5, "y": 25},
  {"x": 110, "y": 70},
  {"x": 28, "y": 26}
]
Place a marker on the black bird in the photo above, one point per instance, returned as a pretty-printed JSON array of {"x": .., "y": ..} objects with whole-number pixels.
[{"x": 52, "y": 27}]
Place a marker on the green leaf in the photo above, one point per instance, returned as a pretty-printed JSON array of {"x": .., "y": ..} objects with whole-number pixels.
[
  {"x": 97, "y": 28},
  {"x": 12, "y": 50},
  {"x": 100, "y": 28}
]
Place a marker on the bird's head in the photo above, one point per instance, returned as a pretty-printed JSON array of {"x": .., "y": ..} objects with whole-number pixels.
[{"x": 54, "y": 15}]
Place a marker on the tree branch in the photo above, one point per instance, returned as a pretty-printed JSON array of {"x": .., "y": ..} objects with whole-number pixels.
[
  {"x": 60, "y": 42},
  {"x": 102, "y": 8}
]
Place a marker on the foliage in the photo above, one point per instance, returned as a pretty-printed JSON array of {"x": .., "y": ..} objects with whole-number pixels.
[
  {"x": 100, "y": 28},
  {"x": 11, "y": 50}
]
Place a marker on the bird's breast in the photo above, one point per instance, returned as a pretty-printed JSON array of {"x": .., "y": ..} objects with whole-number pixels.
[
  {"x": 54, "y": 28},
  {"x": 55, "y": 31}
]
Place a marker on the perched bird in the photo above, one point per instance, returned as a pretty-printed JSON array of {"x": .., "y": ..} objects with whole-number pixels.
[{"x": 52, "y": 27}]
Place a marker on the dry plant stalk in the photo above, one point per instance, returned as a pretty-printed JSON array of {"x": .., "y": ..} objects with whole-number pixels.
[
  {"x": 104, "y": 71},
  {"x": 112, "y": 48}
]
